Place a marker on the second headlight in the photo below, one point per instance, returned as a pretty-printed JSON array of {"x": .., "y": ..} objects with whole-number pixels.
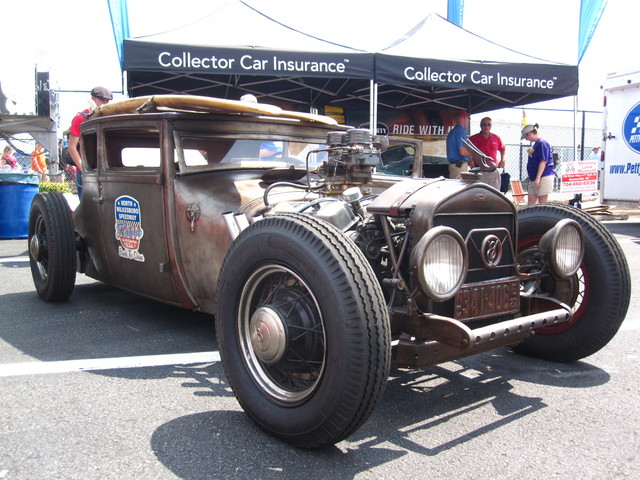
[
  {"x": 563, "y": 246},
  {"x": 439, "y": 262}
]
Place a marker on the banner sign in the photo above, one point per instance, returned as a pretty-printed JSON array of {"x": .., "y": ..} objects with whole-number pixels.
[
  {"x": 515, "y": 77},
  {"x": 43, "y": 100},
  {"x": 580, "y": 177},
  {"x": 174, "y": 58}
]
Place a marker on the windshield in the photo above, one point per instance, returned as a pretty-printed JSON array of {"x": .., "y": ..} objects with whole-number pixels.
[{"x": 201, "y": 153}]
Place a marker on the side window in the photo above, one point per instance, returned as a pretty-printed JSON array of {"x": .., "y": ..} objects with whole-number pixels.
[
  {"x": 90, "y": 149},
  {"x": 141, "y": 157},
  {"x": 133, "y": 149}
]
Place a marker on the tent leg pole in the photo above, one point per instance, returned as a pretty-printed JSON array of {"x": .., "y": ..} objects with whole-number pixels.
[{"x": 373, "y": 107}]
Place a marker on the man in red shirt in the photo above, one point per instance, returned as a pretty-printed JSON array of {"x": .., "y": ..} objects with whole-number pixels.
[
  {"x": 490, "y": 144},
  {"x": 99, "y": 96}
]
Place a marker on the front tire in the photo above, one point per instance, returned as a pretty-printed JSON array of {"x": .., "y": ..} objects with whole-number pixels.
[
  {"x": 52, "y": 253},
  {"x": 599, "y": 292},
  {"x": 302, "y": 329}
]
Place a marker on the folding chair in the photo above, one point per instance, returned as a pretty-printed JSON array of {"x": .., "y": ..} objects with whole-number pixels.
[{"x": 517, "y": 191}]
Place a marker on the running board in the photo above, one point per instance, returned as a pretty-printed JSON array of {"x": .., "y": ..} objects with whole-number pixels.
[{"x": 453, "y": 339}]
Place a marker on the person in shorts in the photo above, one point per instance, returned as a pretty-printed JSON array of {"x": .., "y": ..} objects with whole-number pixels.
[{"x": 540, "y": 166}]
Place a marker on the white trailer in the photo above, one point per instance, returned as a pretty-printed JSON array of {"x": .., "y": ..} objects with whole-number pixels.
[{"x": 621, "y": 138}]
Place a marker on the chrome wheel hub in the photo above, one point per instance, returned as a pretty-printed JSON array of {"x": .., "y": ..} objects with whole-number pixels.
[
  {"x": 34, "y": 247},
  {"x": 268, "y": 335}
]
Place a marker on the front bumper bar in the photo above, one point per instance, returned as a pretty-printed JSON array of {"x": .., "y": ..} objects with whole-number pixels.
[{"x": 450, "y": 339}]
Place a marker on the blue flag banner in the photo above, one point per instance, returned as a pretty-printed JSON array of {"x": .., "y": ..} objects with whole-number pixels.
[
  {"x": 120, "y": 23},
  {"x": 590, "y": 13},
  {"x": 455, "y": 8}
]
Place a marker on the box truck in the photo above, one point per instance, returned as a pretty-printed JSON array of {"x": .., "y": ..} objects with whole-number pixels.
[{"x": 621, "y": 138}]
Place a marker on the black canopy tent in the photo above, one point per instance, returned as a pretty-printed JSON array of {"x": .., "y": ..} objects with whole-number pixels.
[
  {"x": 302, "y": 79},
  {"x": 235, "y": 50},
  {"x": 435, "y": 66},
  {"x": 438, "y": 65}
]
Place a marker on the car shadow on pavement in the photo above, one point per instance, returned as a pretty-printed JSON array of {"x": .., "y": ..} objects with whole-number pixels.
[
  {"x": 99, "y": 321},
  {"x": 226, "y": 444},
  {"x": 478, "y": 394},
  {"x": 480, "y": 390}
]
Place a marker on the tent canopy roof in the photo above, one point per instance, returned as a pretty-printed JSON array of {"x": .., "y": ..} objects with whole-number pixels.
[
  {"x": 436, "y": 37},
  {"x": 43, "y": 129},
  {"x": 234, "y": 23},
  {"x": 440, "y": 65},
  {"x": 436, "y": 65}
]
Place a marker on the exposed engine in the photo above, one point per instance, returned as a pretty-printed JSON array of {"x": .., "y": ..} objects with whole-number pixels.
[
  {"x": 343, "y": 194},
  {"x": 443, "y": 251},
  {"x": 352, "y": 156}
]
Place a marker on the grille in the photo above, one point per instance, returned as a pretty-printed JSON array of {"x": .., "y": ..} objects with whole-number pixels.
[{"x": 474, "y": 228}]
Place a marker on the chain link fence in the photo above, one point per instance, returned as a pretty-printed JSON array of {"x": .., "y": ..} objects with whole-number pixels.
[
  {"x": 566, "y": 142},
  {"x": 583, "y": 143},
  {"x": 58, "y": 171}
]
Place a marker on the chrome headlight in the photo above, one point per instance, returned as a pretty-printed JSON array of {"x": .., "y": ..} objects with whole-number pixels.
[
  {"x": 439, "y": 261},
  {"x": 563, "y": 247}
]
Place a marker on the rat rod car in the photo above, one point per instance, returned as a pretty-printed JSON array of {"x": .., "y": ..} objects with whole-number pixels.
[{"x": 315, "y": 266}]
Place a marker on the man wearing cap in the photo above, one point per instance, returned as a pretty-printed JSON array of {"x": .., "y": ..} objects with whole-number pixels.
[
  {"x": 457, "y": 154},
  {"x": 99, "y": 96},
  {"x": 490, "y": 144}
]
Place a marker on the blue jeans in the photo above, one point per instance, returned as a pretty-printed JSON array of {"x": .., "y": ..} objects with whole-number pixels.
[{"x": 79, "y": 183}]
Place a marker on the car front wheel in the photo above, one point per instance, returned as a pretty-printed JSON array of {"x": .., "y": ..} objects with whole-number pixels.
[
  {"x": 598, "y": 293},
  {"x": 302, "y": 329}
]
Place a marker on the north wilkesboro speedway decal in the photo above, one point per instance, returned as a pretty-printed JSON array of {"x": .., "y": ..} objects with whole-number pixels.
[{"x": 129, "y": 227}]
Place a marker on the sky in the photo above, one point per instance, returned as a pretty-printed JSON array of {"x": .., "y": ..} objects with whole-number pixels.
[{"x": 73, "y": 40}]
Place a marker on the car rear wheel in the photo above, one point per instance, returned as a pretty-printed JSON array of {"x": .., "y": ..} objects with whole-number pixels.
[
  {"x": 599, "y": 292},
  {"x": 302, "y": 330},
  {"x": 52, "y": 253}
]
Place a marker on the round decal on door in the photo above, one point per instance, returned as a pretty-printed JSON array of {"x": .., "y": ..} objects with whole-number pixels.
[{"x": 631, "y": 128}]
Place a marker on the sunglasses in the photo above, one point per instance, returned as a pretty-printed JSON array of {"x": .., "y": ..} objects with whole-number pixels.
[{"x": 485, "y": 124}]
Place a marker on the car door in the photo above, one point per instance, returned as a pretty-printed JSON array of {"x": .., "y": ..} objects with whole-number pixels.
[{"x": 132, "y": 213}]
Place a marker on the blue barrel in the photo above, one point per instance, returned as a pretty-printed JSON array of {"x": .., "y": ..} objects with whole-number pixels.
[{"x": 16, "y": 193}]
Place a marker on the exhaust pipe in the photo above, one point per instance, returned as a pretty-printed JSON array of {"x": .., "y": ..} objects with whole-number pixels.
[
  {"x": 232, "y": 226},
  {"x": 241, "y": 221},
  {"x": 235, "y": 222}
]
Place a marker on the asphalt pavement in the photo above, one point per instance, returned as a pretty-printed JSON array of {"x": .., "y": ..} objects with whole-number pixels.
[{"x": 109, "y": 385}]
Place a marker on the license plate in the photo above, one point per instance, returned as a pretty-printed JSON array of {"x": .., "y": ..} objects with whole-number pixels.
[{"x": 487, "y": 299}]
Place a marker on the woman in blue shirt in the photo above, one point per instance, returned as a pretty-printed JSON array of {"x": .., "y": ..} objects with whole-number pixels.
[{"x": 539, "y": 166}]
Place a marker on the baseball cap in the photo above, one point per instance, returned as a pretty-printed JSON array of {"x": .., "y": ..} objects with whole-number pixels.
[
  {"x": 527, "y": 129},
  {"x": 102, "y": 92}
]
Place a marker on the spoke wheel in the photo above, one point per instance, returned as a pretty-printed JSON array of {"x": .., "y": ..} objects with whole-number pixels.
[
  {"x": 282, "y": 335},
  {"x": 572, "y": 291},
  {"x": 599, "y": 293},
  {"x": 52, "y": 255},
  {"x": 302, "y": 329}
]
